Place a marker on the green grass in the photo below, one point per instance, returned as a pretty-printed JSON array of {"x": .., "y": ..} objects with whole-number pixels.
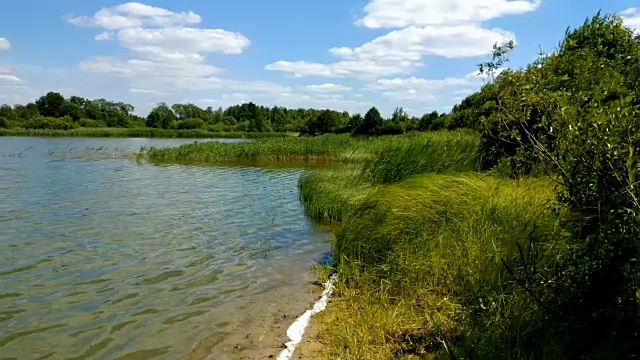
[
  {"x": 329, "y": 195},
  {"x": 420, "y": 264},
  {"x": 420, "y": 244},
  {"x": 341, "y": 148},
  {"x": 136, "y": 133}
]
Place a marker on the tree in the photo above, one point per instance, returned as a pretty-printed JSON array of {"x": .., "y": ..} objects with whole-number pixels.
[
  {"x": 427, "y": 120},
  {"x": 399, "y": 115},
  {"x": 372, "y": 123},
  {"x": 7, "y": 112},
  {"x": 26, "y": 112},
  {"x": 161, "y": 117},
  {"x": 355, "y": 121},
  {"x": 326, "y": 122},
  {"x": 73, "y": 110},
  {"x": 51, "y": 104}
]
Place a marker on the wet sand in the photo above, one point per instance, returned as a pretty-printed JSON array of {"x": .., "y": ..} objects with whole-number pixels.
[{"x": 259, "y": 329}]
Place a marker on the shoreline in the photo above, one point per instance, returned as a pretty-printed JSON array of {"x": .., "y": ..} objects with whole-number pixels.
[{"x": 139, "y": 133}]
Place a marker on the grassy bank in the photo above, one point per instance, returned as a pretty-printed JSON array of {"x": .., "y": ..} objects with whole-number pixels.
[
  {"x": 342, "y": 148},
  {"x": 435, "y": 259},
  {"x": 421, "y": 269},
  {"x": 138, "y": 133}
]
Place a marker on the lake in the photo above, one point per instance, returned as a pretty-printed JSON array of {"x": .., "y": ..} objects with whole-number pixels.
[{"x": 102, "y": 257}]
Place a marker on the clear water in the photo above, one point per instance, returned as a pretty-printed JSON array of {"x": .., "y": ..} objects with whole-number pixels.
[{"x": 104, "y": 258}]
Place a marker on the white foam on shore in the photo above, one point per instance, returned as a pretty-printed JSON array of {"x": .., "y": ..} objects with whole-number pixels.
[{"x": 296, "y": 330}]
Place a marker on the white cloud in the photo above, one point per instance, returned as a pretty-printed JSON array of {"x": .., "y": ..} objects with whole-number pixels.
[
  {"x": 400, "y": 51},
  {"x": 9, "y": 78},
  {"x": 414, "y": 83},
  {"x": 4, "y": 44},
  {"x": 145, "y": 91},
  {"x": 104, "y": 36},
  {"x": 167, "y": 53},
  {"x": 442, "y": 93},
  {"x": 134, "y": 14},
  {"x": 327, "y": 88},
  {"x": 631, "y": 18},
  {"x": 404, "y": 13}
]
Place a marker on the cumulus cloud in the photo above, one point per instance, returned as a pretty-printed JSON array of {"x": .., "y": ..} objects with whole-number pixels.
[
  {"x": 167, "y": 52},
  {"x": 7, "y": 78},
  {"x": 327, "y": 88},
  {"x": 134, "y": 14},
  {"x": 631, "y": 18},
  {"x": 403, "y": 13},
  {"x": 419, "y": 28},
  {"x": 4, "y": 44},
  {"x": 441, "y": 93},
  {"x": 400, "y": 51}
]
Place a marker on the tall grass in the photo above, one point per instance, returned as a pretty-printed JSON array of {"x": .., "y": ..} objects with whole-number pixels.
[
  {"x": 136, "y": 133},
  {"x": 422, "y": 272},
  {"x": 324, "y": 148},
  {"x": 328, "y": 196},
  {"x": 446, "y": 152}
]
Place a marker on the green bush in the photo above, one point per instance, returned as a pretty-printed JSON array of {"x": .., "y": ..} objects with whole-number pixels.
[
  {"x": 191, "y": 124},
  {"x": 40, "y": 122},
  {"x": 576, "y": 113},
  {"x": 88, "y": 123}
]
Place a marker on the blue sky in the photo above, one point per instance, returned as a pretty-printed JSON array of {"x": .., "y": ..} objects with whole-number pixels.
[{"x": 341, "y": 54}]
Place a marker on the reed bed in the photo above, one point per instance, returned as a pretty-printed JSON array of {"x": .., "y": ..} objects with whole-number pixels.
[
  {"x": 342, "y": 148},
  {"x": 421, "y": 269}
]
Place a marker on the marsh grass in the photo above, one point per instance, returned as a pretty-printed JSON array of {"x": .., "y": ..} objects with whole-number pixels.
[
  {"x": 421, "y": 261},
  {"x": 328, "y": 196},
  {"x": 443, "y": 152},
  {"x": 338, "y": 148},
  {"x": 137, "y": 133},
  {"x": 420, "y": 244}
]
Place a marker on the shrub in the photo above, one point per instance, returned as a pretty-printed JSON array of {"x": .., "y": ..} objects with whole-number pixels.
[
  {"x": 65, "y": 123},
  {"x": 191, "y": 124}
]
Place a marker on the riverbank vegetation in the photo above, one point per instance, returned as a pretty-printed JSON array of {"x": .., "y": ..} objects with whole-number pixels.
[
  {"x": 54, "y": 114},
  {"x": 514, "y": 238},
  {"x": 140, "y": 133}
]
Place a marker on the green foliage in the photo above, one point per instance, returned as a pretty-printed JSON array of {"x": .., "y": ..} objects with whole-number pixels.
[
  {"x": 327, "y": 121},
  {"x": 101, "y": 131},
  {"x": 355, "y": 121},
  {"x": 371, "y": 124},
  {"x": 442, "y": 152},
  {"x": 41, "y": 122},
  {"x": 190, "y": 124},
  {"x": 427, "y": 120},
  {"x": 51, "y": 105},
  {"x": 576, "y": 113},
  {"x": 161, "y": 117}
]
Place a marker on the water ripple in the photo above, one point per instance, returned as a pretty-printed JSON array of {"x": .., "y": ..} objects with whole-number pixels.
[{"x": 101, "y": 257}]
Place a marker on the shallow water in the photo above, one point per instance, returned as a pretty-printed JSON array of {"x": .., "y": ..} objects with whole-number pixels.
[{"x": 103, "y": 258}]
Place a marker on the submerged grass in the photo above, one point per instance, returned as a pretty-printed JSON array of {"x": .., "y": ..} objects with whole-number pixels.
[{"x": 138, "y": 133}]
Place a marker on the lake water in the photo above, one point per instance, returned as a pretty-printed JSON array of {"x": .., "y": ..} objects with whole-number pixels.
[{"x": 105, "y": 258}]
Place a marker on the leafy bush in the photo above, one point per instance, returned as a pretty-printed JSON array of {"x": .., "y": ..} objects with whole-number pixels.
[
  {"x": 88, "y": 123},
  {"x": 191, "y": 124},
  {"x": 65, "y": 123},
  {"x": 576, "y": 113}
]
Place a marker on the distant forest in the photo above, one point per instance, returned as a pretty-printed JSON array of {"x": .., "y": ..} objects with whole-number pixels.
[{"x": 54, "y": 111}]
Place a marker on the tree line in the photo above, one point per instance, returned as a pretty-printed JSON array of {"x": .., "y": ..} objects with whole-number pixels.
[{"x": 54, "y": 111}]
